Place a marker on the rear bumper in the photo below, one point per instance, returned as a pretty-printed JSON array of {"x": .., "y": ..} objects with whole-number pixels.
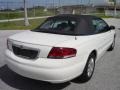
[{"x": 54, "y": 73}]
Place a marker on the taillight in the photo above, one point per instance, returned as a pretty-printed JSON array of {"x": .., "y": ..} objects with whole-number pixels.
[
  {"x": 9, "y": 44},
  {"x": 61, "y": 53}
]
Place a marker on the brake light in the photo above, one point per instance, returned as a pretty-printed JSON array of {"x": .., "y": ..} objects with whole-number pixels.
[{"x": 61, "y": 53}]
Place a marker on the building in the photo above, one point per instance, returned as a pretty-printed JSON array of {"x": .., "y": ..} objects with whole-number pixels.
[
  {"x": 75, "y": 9},
  {"x": 108, "y": 10}
]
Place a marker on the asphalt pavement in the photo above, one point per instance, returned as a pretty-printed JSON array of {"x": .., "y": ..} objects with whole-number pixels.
[{"x": 106, "y": 75}]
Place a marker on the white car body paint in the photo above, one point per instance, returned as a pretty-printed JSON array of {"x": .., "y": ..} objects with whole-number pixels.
[{"x": 56, "y": 70}]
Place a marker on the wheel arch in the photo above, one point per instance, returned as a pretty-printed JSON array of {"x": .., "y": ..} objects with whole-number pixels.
[{"x": 95, "y": 53}]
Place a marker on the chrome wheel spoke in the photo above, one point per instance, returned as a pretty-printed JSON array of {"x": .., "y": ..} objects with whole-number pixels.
[{"x": 90, "y": 67}]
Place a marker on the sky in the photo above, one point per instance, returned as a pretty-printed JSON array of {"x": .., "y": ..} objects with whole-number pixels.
[{"x": 30, "y": 3}]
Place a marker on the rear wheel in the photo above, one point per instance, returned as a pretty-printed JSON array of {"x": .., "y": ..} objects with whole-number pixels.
[{"x": 89, "y": 68}]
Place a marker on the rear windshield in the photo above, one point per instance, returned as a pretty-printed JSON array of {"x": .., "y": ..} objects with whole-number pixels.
[{"x": 58, "y": 26}]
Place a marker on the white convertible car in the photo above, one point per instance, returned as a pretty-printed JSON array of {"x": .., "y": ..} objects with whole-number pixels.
[{"x": 62, "y": 48}]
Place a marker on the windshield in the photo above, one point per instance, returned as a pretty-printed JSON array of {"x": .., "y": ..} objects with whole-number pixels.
[{"x": 58, "y": 26}]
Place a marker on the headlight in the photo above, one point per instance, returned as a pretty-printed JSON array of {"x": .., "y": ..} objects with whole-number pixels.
[{"x": 9, "y": 44}]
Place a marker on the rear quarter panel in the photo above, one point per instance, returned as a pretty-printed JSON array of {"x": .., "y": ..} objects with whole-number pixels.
[{"x": 86, "y": 44}]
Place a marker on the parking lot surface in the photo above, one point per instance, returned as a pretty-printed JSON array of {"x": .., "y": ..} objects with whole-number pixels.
[{"x": 106, "y": 75}]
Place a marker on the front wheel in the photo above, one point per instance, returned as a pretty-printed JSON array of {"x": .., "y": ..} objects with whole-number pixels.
[{"x": 112, "y": 46}]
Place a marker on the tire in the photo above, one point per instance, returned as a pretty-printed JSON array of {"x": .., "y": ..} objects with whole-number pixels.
[
  {"x": 89, "y": 68},
  {"x": 111, "y": 48}
]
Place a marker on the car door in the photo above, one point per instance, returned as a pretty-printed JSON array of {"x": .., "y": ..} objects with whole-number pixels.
[{"x": 103, "y": 35}]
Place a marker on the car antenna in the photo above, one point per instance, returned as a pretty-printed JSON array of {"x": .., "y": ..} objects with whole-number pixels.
[{"x": 75, "y": 37}]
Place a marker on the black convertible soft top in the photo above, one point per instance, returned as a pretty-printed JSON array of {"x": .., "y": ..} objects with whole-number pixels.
[
  {"x": 84, "y": 24},
  {"x": 72, "y": 17}
]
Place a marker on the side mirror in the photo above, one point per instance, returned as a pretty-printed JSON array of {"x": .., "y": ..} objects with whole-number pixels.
[{"x": 112, "y": 27}]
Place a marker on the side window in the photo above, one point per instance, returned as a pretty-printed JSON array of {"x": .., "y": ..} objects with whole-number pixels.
[{"x": 99, "y": 25}]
